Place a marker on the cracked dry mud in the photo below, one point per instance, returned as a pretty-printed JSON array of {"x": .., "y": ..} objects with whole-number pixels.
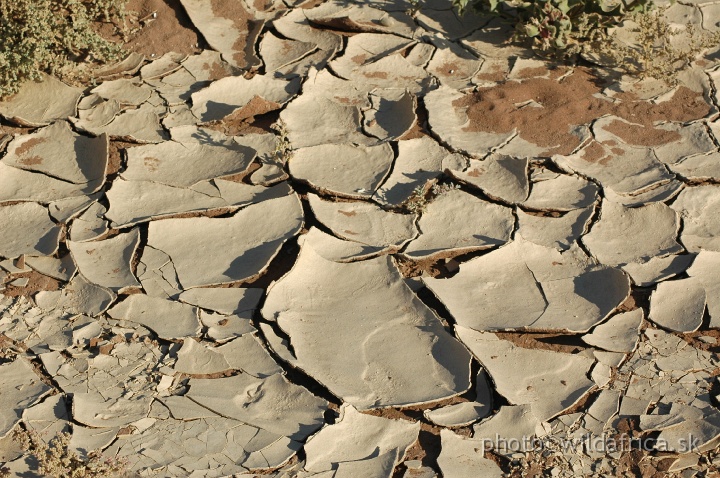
[{"x": 351, "y": 239}]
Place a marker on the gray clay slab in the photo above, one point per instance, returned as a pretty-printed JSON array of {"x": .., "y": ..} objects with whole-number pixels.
[
  {"x": 108, "y": 263},
  {"x": 633, "y": 235},
  {"x": 700, "y": 167},
  {"x": 698, "y": 207},
  {"x": 229, "y": 248},
  {"x": 453, "y": 65},
  {"x": 62, "y": 210},
  {"x": 157, "y": 274},
  {"x": 313, "y": 119},
  {"x": 225, "y": 31},
  {"x": 162, "y": 66},
  {"x": 357, "y": 436},
  {"x": 192, "y": 156},
  {"x": 22, "y": 185},
  {"x": 508, "y": 430},
  {"x": 89, "y": 225},
  {"x": 39, "y": 103},
  {"x": 168, "y": 319},
  {"x": 363, "y": 222},
  {"x": 366, "y": 48},
  {"x": 619, "y": 334},
  {"x": 705, "y": 268},
  {"x": 461, "y": 457},
  {"x": 126, "y": 91},
  {"x": 271, "y": 403},
  {"x": 556, "y": 232},
  {"x": 363, "y": 18},
  {"x": 526, "y": 285},
  {"x": 132, "y": 202},
  {"x": 222, "y": 328},
  {"x": 418, "y": 161},
  {"x": 550, "y": 382},
  {"x": 229, "y": 94},
  {"x": 340, "y": 250},
  {"x": 658, "y": 269},
  {"x": 354, "y": 171},
  {"x": 295, "y": 25},
  {"x": 140, "y": 125},
  {"x": 62, "y": 269},
  {"x": 21, "y": 387},
  {"x": 624, "y": 170},
  {"x": 225, "y": 301},
  {"x": 458, "y": 222},
  {"x": 562, "y": 193},
  {"x": 501, "y": 177},
  {"x": 81, "y": 297},
  {"x": 95, "y": 112},
  {"x": 678, "y": 305},
  {"x": 391, "y": 116},
  {"x": 342, "y": 320},
  {"x": 465, "y": 413},
  {"x": 59, "y": 152},
  {"x": 278, "y": 52},
  {"x": 27, "y": 229}
]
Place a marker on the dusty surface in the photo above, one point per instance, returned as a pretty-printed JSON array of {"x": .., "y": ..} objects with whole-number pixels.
[
  {"x": 355, "y": 239},
  {"x": 494, "y": 109},
  {"x": 156, "y": 27}
]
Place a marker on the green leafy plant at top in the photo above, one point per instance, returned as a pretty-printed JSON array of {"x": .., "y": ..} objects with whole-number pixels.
[
  {"x": 54, "y": 36},
  {"x": 557, "y": 27},
  {"x": 565, "y": 28}
]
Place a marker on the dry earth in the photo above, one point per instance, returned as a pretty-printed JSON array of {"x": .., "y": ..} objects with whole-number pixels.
[{"x": 353, "y": 239}]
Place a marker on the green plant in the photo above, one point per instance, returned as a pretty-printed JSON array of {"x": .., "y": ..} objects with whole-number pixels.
[
  {"x": 56, "y": 459},
  {"x": 558, "y": 27},
  {"x": 658, "y": 50},
  {"x": 283, "y": 147},
  {"x": 565, "y": 28},
  {"x": 424, "y": 195},
  {"x": 55, "y": 36},
  {"x": 418, "y": 200}
]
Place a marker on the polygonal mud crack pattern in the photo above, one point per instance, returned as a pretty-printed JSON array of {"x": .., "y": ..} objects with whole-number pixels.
[{"x": 440, "y": 255}]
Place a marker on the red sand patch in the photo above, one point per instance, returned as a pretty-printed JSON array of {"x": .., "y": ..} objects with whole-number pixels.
[
  {"x": 243, "y": 22},
  {"x": 641, "y": 135},
  {"x": 28, "y": 145},
  {"x": 170, "y": 29},
  {"x": 570, "y": 103}
]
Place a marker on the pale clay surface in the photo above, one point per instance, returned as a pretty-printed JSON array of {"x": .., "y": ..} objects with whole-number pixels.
[{"x": 373, "y": 276}]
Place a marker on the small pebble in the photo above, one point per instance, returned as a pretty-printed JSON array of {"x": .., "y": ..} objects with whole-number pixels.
[{"x": 386, "y": 21}]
